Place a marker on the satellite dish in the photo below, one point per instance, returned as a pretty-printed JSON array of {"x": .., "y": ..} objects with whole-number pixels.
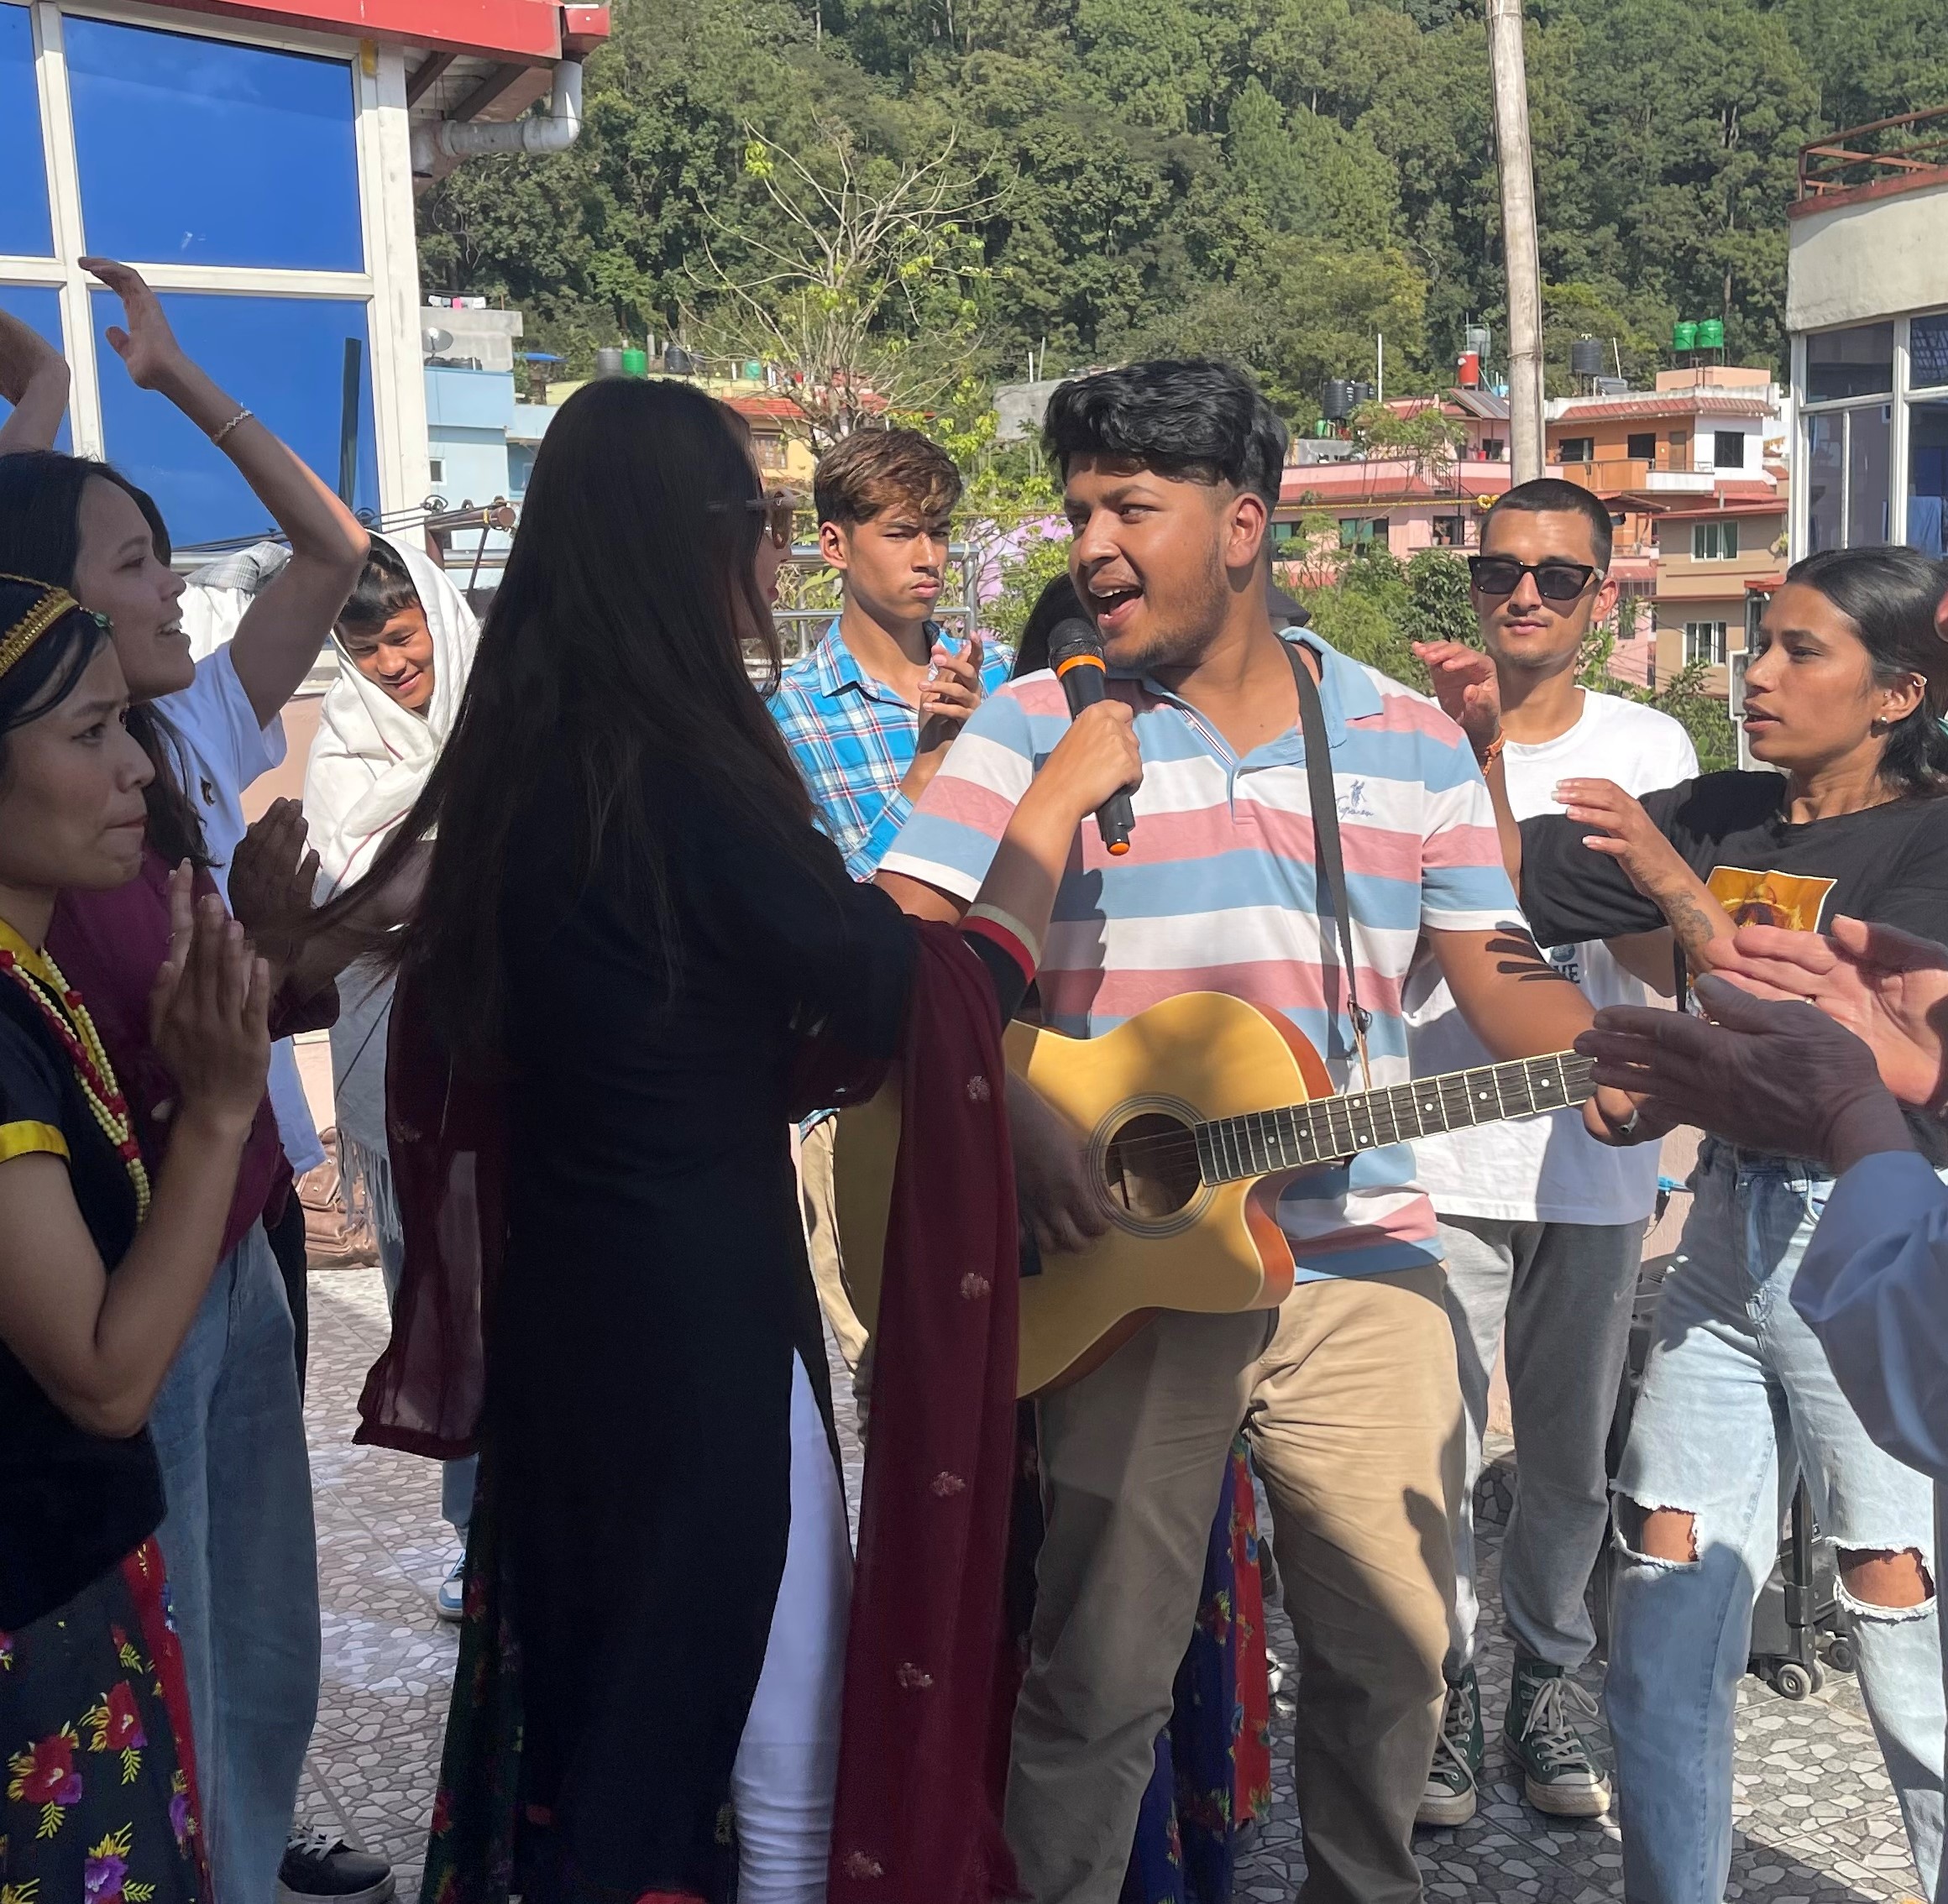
[{"x": 433, "y": 342}]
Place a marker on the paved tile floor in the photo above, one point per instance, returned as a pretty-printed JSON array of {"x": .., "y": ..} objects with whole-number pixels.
[{"x": 1816, "y": 1819}]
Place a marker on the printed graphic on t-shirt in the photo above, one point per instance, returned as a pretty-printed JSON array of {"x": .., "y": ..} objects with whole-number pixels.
[{"x": 1794, "y": 901}]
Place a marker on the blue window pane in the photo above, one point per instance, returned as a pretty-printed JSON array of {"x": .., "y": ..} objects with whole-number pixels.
[
  {"x": 37, "y": 305},
  {"x": 25, "y": 229},
  {"x": 284, "y": 358},
  {"x": 260, "y": 168},
  {"x": 1928, "y": 351}
]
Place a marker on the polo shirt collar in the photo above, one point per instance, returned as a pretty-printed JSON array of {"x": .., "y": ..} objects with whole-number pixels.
[
  {"x": 1346, "y": 689},
  {"x": 1346, "y": 692}
]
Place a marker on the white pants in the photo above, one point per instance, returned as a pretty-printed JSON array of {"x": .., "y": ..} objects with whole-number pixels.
[{"x": 788, "y": 1761}]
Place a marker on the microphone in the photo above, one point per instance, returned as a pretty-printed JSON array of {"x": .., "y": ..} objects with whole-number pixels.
[{"x": 1076, "y": 654}]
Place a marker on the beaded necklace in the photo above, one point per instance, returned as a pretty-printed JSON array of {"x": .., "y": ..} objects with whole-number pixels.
[{"x": 89, "y": 1060}]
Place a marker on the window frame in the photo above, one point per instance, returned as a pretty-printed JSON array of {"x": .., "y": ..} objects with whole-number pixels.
[
  {"x": 1632, "y": 453},
  {"x": 1897, "y": 403},
  {"x": 1718, "y": 636},
  {"x": 388, "y": 285},
  {"x": 1587, "y": 444},
  {"x": 1715, "y": 540}
]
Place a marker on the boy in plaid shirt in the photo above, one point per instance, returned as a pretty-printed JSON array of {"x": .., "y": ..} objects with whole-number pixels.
[{"x": 869, "y": 713}]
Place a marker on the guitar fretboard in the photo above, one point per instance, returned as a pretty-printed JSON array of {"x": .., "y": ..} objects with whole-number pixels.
[{"x": 1331, "y": 1129}]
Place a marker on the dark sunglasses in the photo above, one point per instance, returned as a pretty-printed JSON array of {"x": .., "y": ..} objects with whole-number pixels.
[{"x": 1555, "y": 581}]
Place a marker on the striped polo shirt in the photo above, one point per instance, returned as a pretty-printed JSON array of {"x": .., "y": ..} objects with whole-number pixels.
[{"x": 1218, "y": 892}]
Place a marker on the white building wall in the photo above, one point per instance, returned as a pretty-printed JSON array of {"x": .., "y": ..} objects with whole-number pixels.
[{"x": 1866, "y": 260}]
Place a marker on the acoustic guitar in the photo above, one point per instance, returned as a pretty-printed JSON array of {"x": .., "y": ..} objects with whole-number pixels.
[{"x": 1197, "y": 1113}]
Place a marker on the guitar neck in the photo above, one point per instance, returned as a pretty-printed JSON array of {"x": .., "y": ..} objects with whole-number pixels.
[{"x": 1331, "y": 1129}]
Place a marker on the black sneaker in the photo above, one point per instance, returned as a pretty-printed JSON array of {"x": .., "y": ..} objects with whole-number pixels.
[{"x": 318, "y": 1865}]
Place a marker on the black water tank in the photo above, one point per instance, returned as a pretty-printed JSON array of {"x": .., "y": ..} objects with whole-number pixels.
[
  {"x": 1586, "y": 357},
  {"x": 1336, "y": 405}
]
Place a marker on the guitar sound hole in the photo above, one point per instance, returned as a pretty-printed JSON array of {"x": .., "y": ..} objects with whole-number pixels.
[{"x": 1150, "y": 1166}]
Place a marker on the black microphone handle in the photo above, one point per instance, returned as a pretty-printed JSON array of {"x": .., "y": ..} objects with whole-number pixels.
[
  {"x": 1084, "y": 687},
  {"x": 1114, "y": 819}
]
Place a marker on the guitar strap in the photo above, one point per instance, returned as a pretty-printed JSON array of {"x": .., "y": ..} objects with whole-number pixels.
[{"x": 1331, "y": 862}]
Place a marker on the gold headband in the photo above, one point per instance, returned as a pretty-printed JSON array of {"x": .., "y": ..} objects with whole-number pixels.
[{"x": 53, "y": 605}]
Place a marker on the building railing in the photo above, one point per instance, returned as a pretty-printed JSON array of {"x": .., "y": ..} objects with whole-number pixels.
[{"x": 1911, "y": 148}]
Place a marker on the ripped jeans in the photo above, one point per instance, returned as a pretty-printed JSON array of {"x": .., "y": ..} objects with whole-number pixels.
[{"x": 1737, "y": 1400}]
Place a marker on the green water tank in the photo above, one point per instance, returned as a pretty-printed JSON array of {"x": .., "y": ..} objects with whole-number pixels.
[
  {"x": 1684, "y": 336},
  {"x": 634, "y": 363},
  {"x": 1711, "y": 334}
]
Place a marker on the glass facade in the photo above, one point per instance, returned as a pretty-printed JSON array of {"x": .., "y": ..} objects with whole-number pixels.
[
  {"x": 26, "y": 230},
  {"x": 1928, "y": 476},
  {"x": 227, "y": 172},
  {"x": 1858, "y": 362},
  {"x": 39, "y": 306},
  {"x": 285, "y": 357},
  {"x": 262, "y": 172},
  {"x": 1873, "y": 443}
]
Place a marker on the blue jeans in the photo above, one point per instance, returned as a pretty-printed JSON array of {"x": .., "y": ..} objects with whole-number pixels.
[
  {"x": 1738, "y": 1400},
  {"x": 243, "y": 1563}
]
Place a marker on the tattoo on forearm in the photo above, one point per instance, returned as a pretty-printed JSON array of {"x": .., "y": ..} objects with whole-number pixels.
[{"x": 1692, "y": 925}]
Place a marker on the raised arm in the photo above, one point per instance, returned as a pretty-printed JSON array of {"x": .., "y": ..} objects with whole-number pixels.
[
  {"x": 285, "y": 627},
  {"x": 34, "y": 378},
  {"x": 100, "y": 1345},
  {"x": 1465, "y": 684}
]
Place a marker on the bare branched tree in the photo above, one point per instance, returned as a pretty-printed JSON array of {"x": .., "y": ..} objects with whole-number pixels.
[{"x": 856, "y": 278}]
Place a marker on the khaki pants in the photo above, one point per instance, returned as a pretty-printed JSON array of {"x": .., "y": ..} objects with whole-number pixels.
[
  {"x": 822, "y": 1242},
  {"x": 1350, "y": 1398}
]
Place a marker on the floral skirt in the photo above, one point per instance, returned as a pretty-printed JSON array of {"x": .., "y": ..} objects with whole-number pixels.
[{"x": 100, "y": 1798}]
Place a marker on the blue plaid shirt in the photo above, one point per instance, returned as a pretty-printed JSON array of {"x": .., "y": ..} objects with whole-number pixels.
[{"x": 854, "y": 738}]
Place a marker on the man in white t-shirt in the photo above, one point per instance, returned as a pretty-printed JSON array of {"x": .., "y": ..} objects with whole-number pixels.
[{"x": 1541, "y": 1227}]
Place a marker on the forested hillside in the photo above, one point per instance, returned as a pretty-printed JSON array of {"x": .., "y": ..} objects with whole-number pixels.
[{"x": 1275, "y": 180}]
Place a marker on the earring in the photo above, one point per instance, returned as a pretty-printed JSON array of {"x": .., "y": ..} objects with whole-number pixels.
[{"x": 1879, "y": 724}]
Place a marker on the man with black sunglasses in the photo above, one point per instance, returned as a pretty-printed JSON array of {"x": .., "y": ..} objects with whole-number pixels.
[{"x": 1542, "y": 1228}]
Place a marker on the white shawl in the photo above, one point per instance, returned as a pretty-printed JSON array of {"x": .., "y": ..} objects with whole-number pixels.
[
  {"x": 368, "y": 764},
  {"x": 371, "y": 756}
]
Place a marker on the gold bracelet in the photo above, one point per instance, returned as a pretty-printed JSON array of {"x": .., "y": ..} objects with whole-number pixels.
[{"x": 216, "y": 437}]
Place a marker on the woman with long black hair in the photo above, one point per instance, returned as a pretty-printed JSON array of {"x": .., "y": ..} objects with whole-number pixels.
[
  {"x": 1845, "y": 695},
  {"x": 631, "y": 924}
]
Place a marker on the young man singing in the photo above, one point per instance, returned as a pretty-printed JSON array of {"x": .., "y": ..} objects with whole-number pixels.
[
  {"x": 1349, "y": 1391},
  {"x": 1543, "y": 1229},
  {"x": 869, "y": 713}
]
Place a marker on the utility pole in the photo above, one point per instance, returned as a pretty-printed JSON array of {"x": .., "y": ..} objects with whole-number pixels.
[{"x": 1520, "y": 254}]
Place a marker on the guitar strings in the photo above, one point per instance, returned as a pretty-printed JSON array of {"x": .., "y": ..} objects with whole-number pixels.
[{"x": 1183, "y": 1143}]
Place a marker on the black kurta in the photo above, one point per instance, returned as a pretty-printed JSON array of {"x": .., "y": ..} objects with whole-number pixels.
[{"x": 655, "y": 1287}]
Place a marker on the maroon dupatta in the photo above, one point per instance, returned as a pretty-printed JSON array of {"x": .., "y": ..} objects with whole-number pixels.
[{"x": 929, "y": 1675}]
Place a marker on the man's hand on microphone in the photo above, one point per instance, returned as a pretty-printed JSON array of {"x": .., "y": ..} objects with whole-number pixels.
[
  {"x": 1096, "y": 758},
  {"x": 947, "y": 697}
]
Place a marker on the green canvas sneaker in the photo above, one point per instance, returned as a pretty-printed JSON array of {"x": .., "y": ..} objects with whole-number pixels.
[
  {"x": 1560, "y": 1775},
  {"x": 1450, "y": 1797}
]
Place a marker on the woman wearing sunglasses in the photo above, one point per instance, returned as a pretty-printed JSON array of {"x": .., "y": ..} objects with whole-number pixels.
[{"x": 1844, "y": 697}]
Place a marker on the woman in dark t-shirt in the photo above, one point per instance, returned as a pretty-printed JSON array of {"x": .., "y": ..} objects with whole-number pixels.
[
  {"x": 1844, "y": 694},
  {"x": 99, "y": 1279}
]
